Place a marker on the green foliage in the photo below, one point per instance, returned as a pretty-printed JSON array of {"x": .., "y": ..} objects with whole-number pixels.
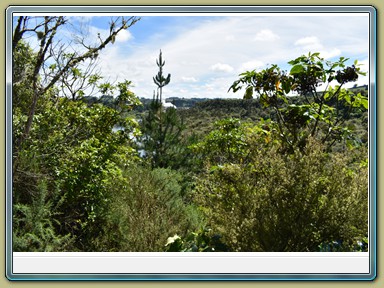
[
  {"x": 33, "y": 225},
  {"x": 294, "y": 202},
  {"x": 106, "y": 89},
  {"x": 73, "y": 146},
  {"x": 272, "y": 183},
  {"x": 322, "y": 115},
  {"x": 159, "y": 79},
  {"x": 23, "y": 63},
  {"x": 146, "y": 206},
  {"x": 202, "y": 241},
  {"x": 360, "y": 244},
  {"x": 161, "y": 137},
  {"x": 224, "y": 144},
  {"x": 162, "y": 129}
]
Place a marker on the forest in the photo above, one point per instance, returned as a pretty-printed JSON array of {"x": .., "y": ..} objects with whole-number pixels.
[{"x": 285, "y": 169}]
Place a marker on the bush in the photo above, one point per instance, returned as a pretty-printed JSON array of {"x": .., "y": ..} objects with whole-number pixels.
[
  {"x": 281, "y": 202},
  {"x": 202, "y": 241},
  {"x": 33, "y": 225},
  {"x": 73, "y": 149},
  {"x": 146, "y": 207}
]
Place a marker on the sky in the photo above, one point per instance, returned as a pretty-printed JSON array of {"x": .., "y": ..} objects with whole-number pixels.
[{"x": 206, "y": 54}]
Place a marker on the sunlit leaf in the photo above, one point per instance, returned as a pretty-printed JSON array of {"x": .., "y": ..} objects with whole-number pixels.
[{"x": 297, "y": 69}]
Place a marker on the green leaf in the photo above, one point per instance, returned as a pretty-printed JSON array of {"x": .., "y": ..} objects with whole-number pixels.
[
  {"x": 264, "y": 100},
  {"x": 76, "y": 72},
  {"x": 297, "y": 69},
  {"x": 286, "y": 85},
  {"x": 364, "y": 102},
  {"x": 327, "y": 95}
]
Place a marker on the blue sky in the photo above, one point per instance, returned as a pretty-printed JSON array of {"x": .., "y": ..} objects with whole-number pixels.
[{"x": 205, "y": 54}]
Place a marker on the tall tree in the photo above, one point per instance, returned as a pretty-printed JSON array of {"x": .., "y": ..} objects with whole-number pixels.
[
  {"x": 159, "y": 79},
  {"x": 65, "y": 152},
  {"x": 324, "y": 112},
  {"x": 162, "y": 127},
  {"x": 42, "y": 79}
]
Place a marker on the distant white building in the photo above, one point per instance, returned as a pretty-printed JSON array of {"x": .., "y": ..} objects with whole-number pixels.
[{"x": 167, "y": 105}]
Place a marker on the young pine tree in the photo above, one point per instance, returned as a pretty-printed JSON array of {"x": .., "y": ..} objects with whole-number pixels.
[{"x": 162, "y": 127}]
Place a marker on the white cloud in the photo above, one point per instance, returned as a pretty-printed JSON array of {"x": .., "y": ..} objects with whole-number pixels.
[
  {"x": 220, "y": 67},
  {"x": 81, "y": 19},
  {"x": 309, "y": 43},
  {"x": 266, "y": 35},
  {"x": 330, "y": 54},
  {"x": 188, "y": 79},
  {"x": 363, "y": 64},
  {"x": 123, "y": 36},
  {"x": 230, "y": 38},
  {"x": 251, "y": 65},
  {"x": 203, "y": 52},
  {"x": 313, "y": 44}
]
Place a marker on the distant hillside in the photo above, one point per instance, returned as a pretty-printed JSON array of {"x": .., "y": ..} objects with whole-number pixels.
[
  {"x": 360, "y": 89},
  {"x": 199, "y": 118},
  {"x": 199, "y": 114},
  {"x": 240, "y": 107}
]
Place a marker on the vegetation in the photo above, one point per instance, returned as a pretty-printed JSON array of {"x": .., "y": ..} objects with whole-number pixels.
[
  {"x": 284, "y": 169},
  {"x": 162, "y": 128},
  {"x": 278, "y": 202}
]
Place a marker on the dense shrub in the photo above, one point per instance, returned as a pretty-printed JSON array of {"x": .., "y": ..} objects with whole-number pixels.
[
  {"x": 280, "y": 202},
  {"x": 73, "y": 150},
  {"x": 33, "y": 225},
  {"x": 146, "y": 207}
]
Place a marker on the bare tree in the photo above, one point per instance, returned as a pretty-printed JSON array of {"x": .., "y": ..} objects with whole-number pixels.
[{"x": 74, "y": 82}]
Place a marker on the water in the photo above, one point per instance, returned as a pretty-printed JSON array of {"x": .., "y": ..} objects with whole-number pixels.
[{"x": 142, "y": 152}]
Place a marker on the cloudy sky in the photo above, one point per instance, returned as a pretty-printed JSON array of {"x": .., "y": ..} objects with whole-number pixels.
[{"x": 205, "y": 54}]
